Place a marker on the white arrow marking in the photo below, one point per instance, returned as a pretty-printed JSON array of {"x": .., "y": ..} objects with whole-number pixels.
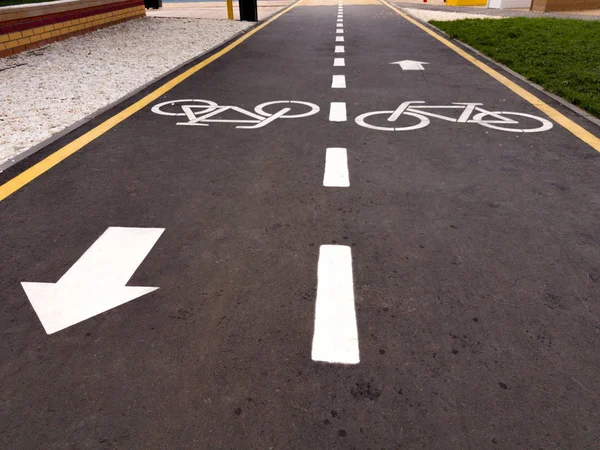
[
  {"x": 410, "y": 65},
  {"x": 96, "y": 282}
]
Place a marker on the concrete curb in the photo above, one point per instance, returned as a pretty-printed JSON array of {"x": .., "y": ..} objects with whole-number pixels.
[{"x": 489, "y": 60}]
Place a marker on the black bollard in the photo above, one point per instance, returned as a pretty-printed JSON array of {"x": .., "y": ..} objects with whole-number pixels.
[{"x": 248, "y": 10}]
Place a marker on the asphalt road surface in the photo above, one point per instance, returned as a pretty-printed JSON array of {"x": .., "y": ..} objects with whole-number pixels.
[{"x": 417, "y": 277}]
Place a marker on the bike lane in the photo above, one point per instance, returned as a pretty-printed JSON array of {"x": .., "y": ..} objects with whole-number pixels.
[
  {"x": 447, "y": 224},
  {"x": 488, "y": 239},
  {"x": 220, "y": 355}
]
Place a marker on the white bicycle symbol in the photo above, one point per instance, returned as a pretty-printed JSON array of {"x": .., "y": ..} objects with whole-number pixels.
[
  {"x": 204, "y": 112},
  {"x": 471, "y": 113}
]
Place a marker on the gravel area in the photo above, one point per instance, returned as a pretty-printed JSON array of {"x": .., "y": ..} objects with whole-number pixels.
[
  {"x": 46, "y": 90},
  {"x": 427, "y": 15}
]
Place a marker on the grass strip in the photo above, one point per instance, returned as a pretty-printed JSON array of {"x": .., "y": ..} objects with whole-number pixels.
[{"x": 561, "y": 55}]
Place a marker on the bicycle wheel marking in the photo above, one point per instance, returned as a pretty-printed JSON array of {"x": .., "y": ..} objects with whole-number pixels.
[{"x": 360, "y": 120}]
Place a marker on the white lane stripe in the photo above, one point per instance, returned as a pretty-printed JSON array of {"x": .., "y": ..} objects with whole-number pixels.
[
  {"x": 340, "y": 25},
  {"x": 339, "y": 62},
  {"x": 339, "y": 49},
  {"x": 339, "y": 39},
  {"x": 336, "y": 168},
  {"x": 340, "y": 31},
  {"x": 335, "y": 338},
  {"x": 338, "y": 81},
  {"x": 337, "y": 112},
  {"x": 340, "y": 21}
]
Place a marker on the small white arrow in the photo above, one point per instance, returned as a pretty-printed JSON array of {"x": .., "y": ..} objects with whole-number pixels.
[
  {"x": 96, "y": 282},
  {"x": 410, "y": 65}
]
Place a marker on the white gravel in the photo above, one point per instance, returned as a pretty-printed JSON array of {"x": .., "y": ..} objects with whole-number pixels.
[
  {"x": 46, "y": 90},
  {"x": 427, "y": 14}
]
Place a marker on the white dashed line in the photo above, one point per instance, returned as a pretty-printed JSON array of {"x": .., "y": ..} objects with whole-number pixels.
[
  {"x": 336, "y": 168},
  {"x": 337, "y": 112},
  {"x": 340, "y": 31},
  {"x": 338, "y": 81},
  {"x": 339, "y": 49},
  {"x": 339, "y": 39},
  {"x": 339, "y": 62},
  {"x": 335, "y": 338}
]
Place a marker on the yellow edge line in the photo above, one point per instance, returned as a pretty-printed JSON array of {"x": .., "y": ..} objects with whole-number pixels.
[
  {"x": 559, "y": 118},
  {"x": 16, "y": 183}
]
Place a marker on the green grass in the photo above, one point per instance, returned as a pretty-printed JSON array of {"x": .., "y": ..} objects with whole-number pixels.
[
  {"x": 20, "y": 2},
  {"x": 561, "y": 55}
]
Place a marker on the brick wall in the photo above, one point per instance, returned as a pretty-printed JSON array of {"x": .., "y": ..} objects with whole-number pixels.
[
  {"x": 25, "y": 27},
  {"x": 564, "y": 5}
]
